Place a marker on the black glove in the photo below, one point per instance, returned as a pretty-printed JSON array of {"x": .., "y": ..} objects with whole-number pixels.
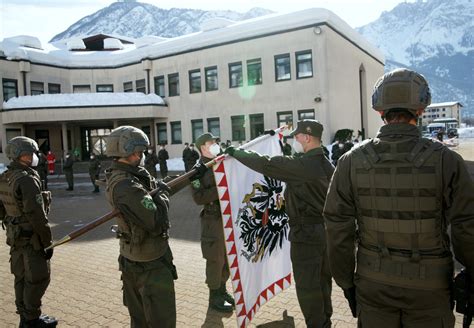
[
  {"x": 350, "y": 295},
  {"x": 270, "y": 132},
  {"x": 230, "y": 150},
  {"x": 201, "y": 169},
  {"x": 48, "y": 253},
  {"x": 163, "y": 187}
]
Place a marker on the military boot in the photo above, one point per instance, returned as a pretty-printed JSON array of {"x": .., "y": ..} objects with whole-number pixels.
[
  {"x": 22, "y": 322},
  {"x": 217, "y": 301},
  {"x": 96, "y": 189},
  {"x": 43, "y": 321},
  {"x": 226, "y": 295}
]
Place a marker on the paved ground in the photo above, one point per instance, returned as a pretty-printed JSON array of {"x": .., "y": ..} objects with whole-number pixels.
[{"x": 86, "y": 290}]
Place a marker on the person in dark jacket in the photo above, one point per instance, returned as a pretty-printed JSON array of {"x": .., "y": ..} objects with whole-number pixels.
[
  {"x": 150, "y": 162},
  {"x": 190, "y": 156},
  {"x": 42, "y": 169},
  {"x": 162, "y": 157},
  {"x": 69, "y": 171},
  {"x": 94, "y": 171}
]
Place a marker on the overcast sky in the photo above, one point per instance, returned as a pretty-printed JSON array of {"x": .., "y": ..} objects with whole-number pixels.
[{"x": 46, "y": 18}]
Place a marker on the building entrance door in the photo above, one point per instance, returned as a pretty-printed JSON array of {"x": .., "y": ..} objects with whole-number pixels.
[{"x": 93, "y": 141}]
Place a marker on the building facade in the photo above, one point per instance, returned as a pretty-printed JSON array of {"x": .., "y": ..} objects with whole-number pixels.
[
  {"x": 442, "y": 110},
  {"x": 233, "y": 79}
]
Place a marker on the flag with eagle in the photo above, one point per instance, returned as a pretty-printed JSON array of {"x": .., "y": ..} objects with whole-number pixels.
[{"x": 255, "y": 229}]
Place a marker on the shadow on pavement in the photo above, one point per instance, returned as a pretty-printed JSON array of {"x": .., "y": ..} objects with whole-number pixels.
[
  {"x": 214, "y": 318},
  {"x": 286, "y": 322}
]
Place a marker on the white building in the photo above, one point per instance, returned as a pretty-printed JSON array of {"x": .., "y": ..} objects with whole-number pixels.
[
  {"x": 235, "y": 79},
  {"x": 442, "y": 110}
]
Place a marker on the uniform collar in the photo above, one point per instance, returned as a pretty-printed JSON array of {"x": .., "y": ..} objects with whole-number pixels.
[
  {"x": 135, "y": 170},
  {"x": 398, "y": 129},
  {"x": 314, "y": 151}
]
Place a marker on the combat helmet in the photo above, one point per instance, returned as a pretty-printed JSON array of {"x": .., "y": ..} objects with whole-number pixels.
[
  {"x": 19, "y": 146},
  {"x": 125, "y": 140},
  {"x": 401, "y": 89}
]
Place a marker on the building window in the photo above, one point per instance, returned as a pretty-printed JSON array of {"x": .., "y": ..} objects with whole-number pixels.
[
  {"x": 282, "y": 67},
  {"x": 173, "y": 84},
  {"x": 235, "y": 75},
  {"x": 81, "y": 89},
  {"x": 304, "y": 64},
  {"x": 254, "y": 71},
  {"x": 197, "y": 128},
  {"x": 10, "y": 89},
  {"x": 238, "y": 127},
  {"x": 54, "y": 88},
  {"x": 36, "y": 88},
  {"x": 104, "y": 88},
  {"x": 160, "y": 86},
  {"x": 162, "y": 133},
  {"x": 211, "y": 78},
  {"x": 140, "y": 86},
  {"x": 213, "y": 126},
  {"x": 12, "y": 133},
  {"x": 195, "y": 81},
  {"x": 128, "y": 86},
  {"x": 306, "y": 114},
  {"x": 256, "y": 125},
  {"x": 176, "y": 132},
  {"x": 284, "y": 118}
]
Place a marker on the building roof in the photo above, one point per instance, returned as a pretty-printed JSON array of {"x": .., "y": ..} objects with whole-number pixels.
[
  {"x": 235, "y": 32},
  {"x": 446, "y": 104},
  {"x": 83, "y": 100}
]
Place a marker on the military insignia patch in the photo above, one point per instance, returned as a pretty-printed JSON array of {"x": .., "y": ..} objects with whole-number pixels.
[
  {"x": 196, "y": 184},
  {"x": 39, "y": 199},
  {"x": 148, "y": 203},
  {"x": 308, "y": 129}
]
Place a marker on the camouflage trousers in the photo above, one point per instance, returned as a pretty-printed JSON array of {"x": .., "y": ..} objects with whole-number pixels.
[
  {"x": 32, "y": 277},
  {"x": 380, "y": 305},
  {"x": 148, "y": 291}
]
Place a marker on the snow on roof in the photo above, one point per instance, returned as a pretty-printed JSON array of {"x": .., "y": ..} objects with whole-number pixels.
[
  {"x": 83, "y": 100},
  {"x": 76, "y": 44},
  {"x": 445, "y": 104},
  {"x": 255, "y": 27},
  {"x": 111, "y": 43},
  {"x": 24, "y": 41}
]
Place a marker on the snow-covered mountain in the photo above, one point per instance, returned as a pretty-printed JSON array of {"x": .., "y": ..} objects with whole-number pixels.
[
  {"x": 434, "y": 37},
  {"x": 136, "y": 19}
]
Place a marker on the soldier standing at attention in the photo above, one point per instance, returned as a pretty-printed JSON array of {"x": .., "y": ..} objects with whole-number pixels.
[
  {"x": 307, "y": 179},
  {"x": 42, "y": 169},
  {"x": 212, "y": 231},
  {"x": 392, "y": 199},
  {"x": 94, "y": 171},
  {"x": 23, "y": 211},
  {"x": 69, "y": 172},
  {"x": 162, "y": 157},
  {"x": 150, "y": 162},
  {"x": 145, "y": 260},
  {"x": 190, "y": 157}
]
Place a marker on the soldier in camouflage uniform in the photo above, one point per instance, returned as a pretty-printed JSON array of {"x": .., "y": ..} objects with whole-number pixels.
[
  {"x": 42, "y": 169},
  {"x": 94, "y": 171},
  {"x": 212, "y": 230},
  {"x": 387, "y": 212},
  {"x": 307, "y": 177},
  {"x": 145, "y": 259},
  {"x": 23, "y": 211}
]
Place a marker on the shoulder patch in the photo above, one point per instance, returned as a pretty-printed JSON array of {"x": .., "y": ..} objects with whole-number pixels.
[
  {"x": 196, "y": 184},
  {"x": 39, "y": 199},
  {"x": 147, "y": 202}
]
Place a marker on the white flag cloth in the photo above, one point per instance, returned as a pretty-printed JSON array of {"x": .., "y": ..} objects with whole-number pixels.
[{"x": 255, "y": 229}]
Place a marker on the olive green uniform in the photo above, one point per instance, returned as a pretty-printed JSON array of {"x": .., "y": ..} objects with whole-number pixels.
[
  {"x": 94, "y": 171},
  {"x": 145, "y": 258},
  {"x": 150, "y": 164},
  {"x": 23, "y": 209},
  {"x": 42, "y": 169},
  {"x": 392, "y": 199},
  {"x": 68, "y": 172},
  {"x": 307, "y": 179},
  {"x": 162, "y": 157},
  {"x": 212, "y": 231}
]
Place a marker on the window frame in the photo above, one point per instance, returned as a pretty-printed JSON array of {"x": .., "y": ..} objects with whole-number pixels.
[
  {"x": 277, "y": 57},
  {"x": 155, "y": 80},
  {"x": 170, "y": 76},
  {"x": 159, "y": 128},
  {"x": 241, "y": 83},
  {"x": 304, "y": 111},
  {"x": 206, "y": 70},
  {"x": 55, "y": 85},
  {"x": 137, "y": 88},
  {"x": 297, "y": 61},
  {"x": 174, "y": 124},
  {"x": 36, "y": 91},
  {"x": 251, "y": 124},
  {"x": 210, "y": 121},
  {"x": 4, "y": 80},
  {"x": 232, "y": 118},
  {"x": 194, "y": 134},
  {"x": 194, "y": 79},
  {"x": 289, "y": 112},
  {"x": 254, "y": 62},
  {"x": 102, "y": 86},
  {"x": 81, "y": 86},
  {"x": 126, "y": 84}
]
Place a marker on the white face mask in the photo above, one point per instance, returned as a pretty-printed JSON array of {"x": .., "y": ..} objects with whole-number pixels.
[
  {"x": 142, "y": 160},
  {"x": 298, "y": 147},
  {"x": 214, "y": 149},
  {"x": 150, "y": 151},
  {"x": 35, "y": 160}
]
